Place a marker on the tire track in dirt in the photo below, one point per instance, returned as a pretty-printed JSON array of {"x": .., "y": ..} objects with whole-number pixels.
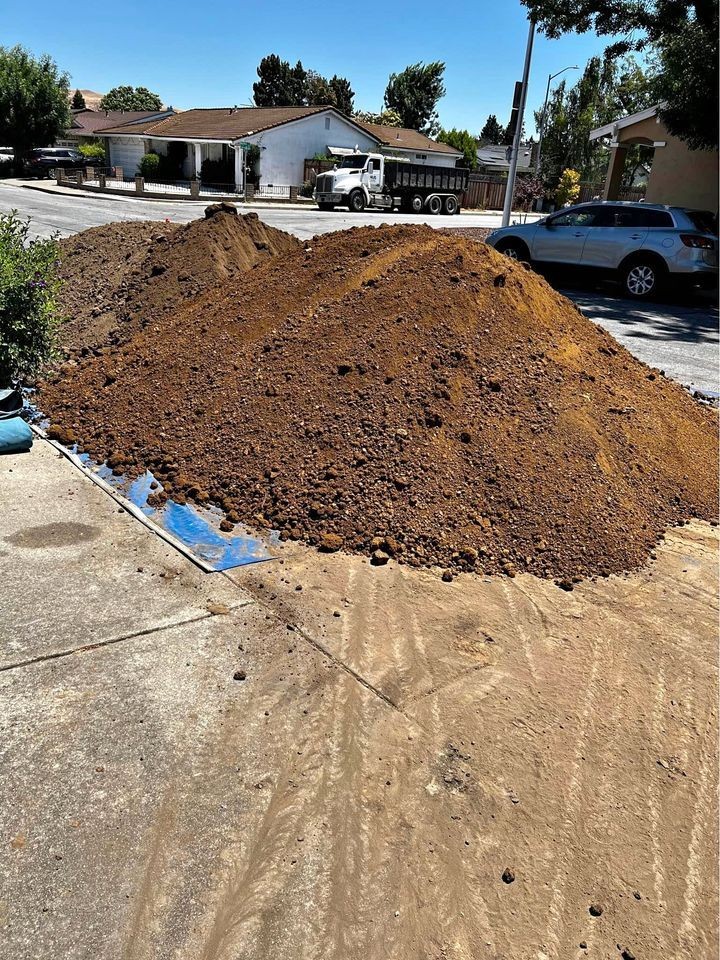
[
  {"x": 704, "y": 821},
  {"x": 518, "y": 625},
  {"x": 657, "y": 728},
  {"x": 571, "y": 800},
  {"x": 251, "y": 878}
]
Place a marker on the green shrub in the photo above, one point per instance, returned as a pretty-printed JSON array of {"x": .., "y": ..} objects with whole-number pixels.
[
  {"x": 93, "y": 151},
  {"x": 568, "y": 188},
  {"x": 218, "y": 171},
  {"x": 149, "y": 165},
  {"x": 29, "y": 311},
  {"x": 306, "y": 190},
  {"x": 7, "y": 168}
]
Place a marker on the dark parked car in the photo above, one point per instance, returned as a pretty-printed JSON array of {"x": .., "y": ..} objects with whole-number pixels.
[{"x": 41, "y": 161}]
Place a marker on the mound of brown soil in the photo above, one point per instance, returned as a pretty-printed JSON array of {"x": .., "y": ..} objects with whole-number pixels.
[
  {"x": 119, "y": 277},
  {"x": 398, "y": 391}
]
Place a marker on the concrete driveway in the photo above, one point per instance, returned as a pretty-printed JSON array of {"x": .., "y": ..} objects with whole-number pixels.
[
  {"x": 680, "y": 337},
  {"x": 315, "y": 758}
]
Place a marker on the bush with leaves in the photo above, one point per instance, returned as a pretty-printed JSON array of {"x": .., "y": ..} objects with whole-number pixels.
[
  {"x": 93, "y": 151},
  {"x": 568, "y": 189},
  {"x": 29, "y": 311},
  {"x": 149, "y": 165},
  {"x": 528, "y": 189}
]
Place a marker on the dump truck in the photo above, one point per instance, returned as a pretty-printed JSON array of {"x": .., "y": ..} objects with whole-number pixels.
[{"x": 371, "y": 180}]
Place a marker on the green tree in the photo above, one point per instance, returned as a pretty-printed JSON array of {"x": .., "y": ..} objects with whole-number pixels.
[
  {"x": 568, "y": 188},
  {"x": 682, "y": 33},
  {"x": 462, "y": 140},
  {"x": 29, "y": 313},
  {"x": 343, "y": 93},
  {"x": 607, "y": 89},
  {"x": 318, "y": 91},
  {"x": 387, "y": 118},
  {"x": 34, "y": 108},
  {"x": 414, "y": 94},
  {"x": 279, "y": 84},
  {"x": 130, "y": 98},
  {"x": 78, "y": 101},
  {"x": 492, "y": 132}
]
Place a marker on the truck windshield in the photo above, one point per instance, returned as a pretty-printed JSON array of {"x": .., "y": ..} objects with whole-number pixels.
[{"x": 356, "y": 161}]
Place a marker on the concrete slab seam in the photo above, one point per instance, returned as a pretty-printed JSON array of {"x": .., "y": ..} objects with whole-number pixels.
[
  {"x": 98, "y": 645},
  {"x": 326, "y": 652}
]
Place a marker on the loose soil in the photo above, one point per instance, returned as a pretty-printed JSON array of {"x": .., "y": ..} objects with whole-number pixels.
[
  {"x": 401, "y": 392},
  {"x": 119, "y": 277}
]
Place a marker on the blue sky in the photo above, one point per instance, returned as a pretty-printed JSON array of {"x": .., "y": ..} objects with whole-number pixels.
[{"x": 196, "y": 54}]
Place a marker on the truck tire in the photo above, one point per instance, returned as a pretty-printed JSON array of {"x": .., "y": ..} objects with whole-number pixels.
[
  {"x": 434, "y": 205},
  {"x": 356, "y": 201},
  {"x": 416, "y": 203},
  {"x": 451, "y": 205},
  {"x": 326, "y": 206}
]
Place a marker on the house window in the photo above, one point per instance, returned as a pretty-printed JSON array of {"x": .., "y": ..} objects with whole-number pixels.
[
  {"x": 327, "y": 123},
  {"x": 421, "y": 156}
]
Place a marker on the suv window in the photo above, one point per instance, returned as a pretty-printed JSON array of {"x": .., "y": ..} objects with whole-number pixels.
[
  {"x": 574, "y": 218},
  {"x": 656, "y": 218},
  {"x": 703, "y": 220},
  {"x": 634, "y": 217}
]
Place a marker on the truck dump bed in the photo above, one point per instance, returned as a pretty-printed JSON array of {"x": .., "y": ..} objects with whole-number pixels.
[{"x": 402, "y": 174}]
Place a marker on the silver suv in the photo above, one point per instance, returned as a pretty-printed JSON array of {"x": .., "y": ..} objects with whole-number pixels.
[{"x": 643, "y": 244}]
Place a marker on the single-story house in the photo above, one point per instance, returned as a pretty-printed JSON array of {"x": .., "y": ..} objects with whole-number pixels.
[
  {"x": 285, "y": 137},
  {"x": 678, "y": 176},
  {"x": 87, "y": 122},
  {"x": 493, "y": 159}
]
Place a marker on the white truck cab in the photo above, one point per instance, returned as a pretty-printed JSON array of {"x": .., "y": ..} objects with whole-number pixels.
[{"x": 357, "y": 180}]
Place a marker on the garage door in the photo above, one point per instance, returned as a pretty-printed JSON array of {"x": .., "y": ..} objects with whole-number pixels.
[{"x": 126, "y": 153}]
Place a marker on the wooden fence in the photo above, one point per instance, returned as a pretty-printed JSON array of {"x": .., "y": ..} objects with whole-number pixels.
[{"x": 484, "y": 193}]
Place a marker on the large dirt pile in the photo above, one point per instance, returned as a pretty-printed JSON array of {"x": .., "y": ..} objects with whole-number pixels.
[
  {"x": 119, "y": 277},
  {"x": 398, "y": 391}
]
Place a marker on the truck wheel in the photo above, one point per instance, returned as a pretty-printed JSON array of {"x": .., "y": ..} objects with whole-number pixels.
[
  {"x": 326, "y": 206},
  {"x": 356, "y": 201},
  {"x": 416, "y": 203},
  {"x": 434, "y": 205},
  {"x": 451, "y": 205}
]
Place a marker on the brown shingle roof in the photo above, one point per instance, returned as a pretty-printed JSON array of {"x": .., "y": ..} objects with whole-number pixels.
[
  {"x": 401, "y": 138},
  {"x": 89, "y": 121},
  {"x": 218, "y": 123}
]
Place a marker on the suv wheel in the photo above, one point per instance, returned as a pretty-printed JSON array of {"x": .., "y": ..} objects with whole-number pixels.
[
  {"x": 642, "y": 278},
  {"x": 515, "y": 249}
]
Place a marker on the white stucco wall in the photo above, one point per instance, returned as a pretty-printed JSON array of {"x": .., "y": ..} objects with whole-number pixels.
[
  {"x": 126, "y": 152},
  {"x": 287, "y": 147}
]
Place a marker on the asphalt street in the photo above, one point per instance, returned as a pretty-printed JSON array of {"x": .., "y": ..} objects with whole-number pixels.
[{"x": 678, "y": 335}]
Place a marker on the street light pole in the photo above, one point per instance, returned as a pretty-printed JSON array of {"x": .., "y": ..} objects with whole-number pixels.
[
  {"x": 544, "y": 114},
  {"x": 510, "y": 189}
]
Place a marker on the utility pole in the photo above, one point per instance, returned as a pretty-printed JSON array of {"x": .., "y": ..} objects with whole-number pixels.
[
  {"x": 543, "y": 115},
  {"x": 510, "y": 189}
]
